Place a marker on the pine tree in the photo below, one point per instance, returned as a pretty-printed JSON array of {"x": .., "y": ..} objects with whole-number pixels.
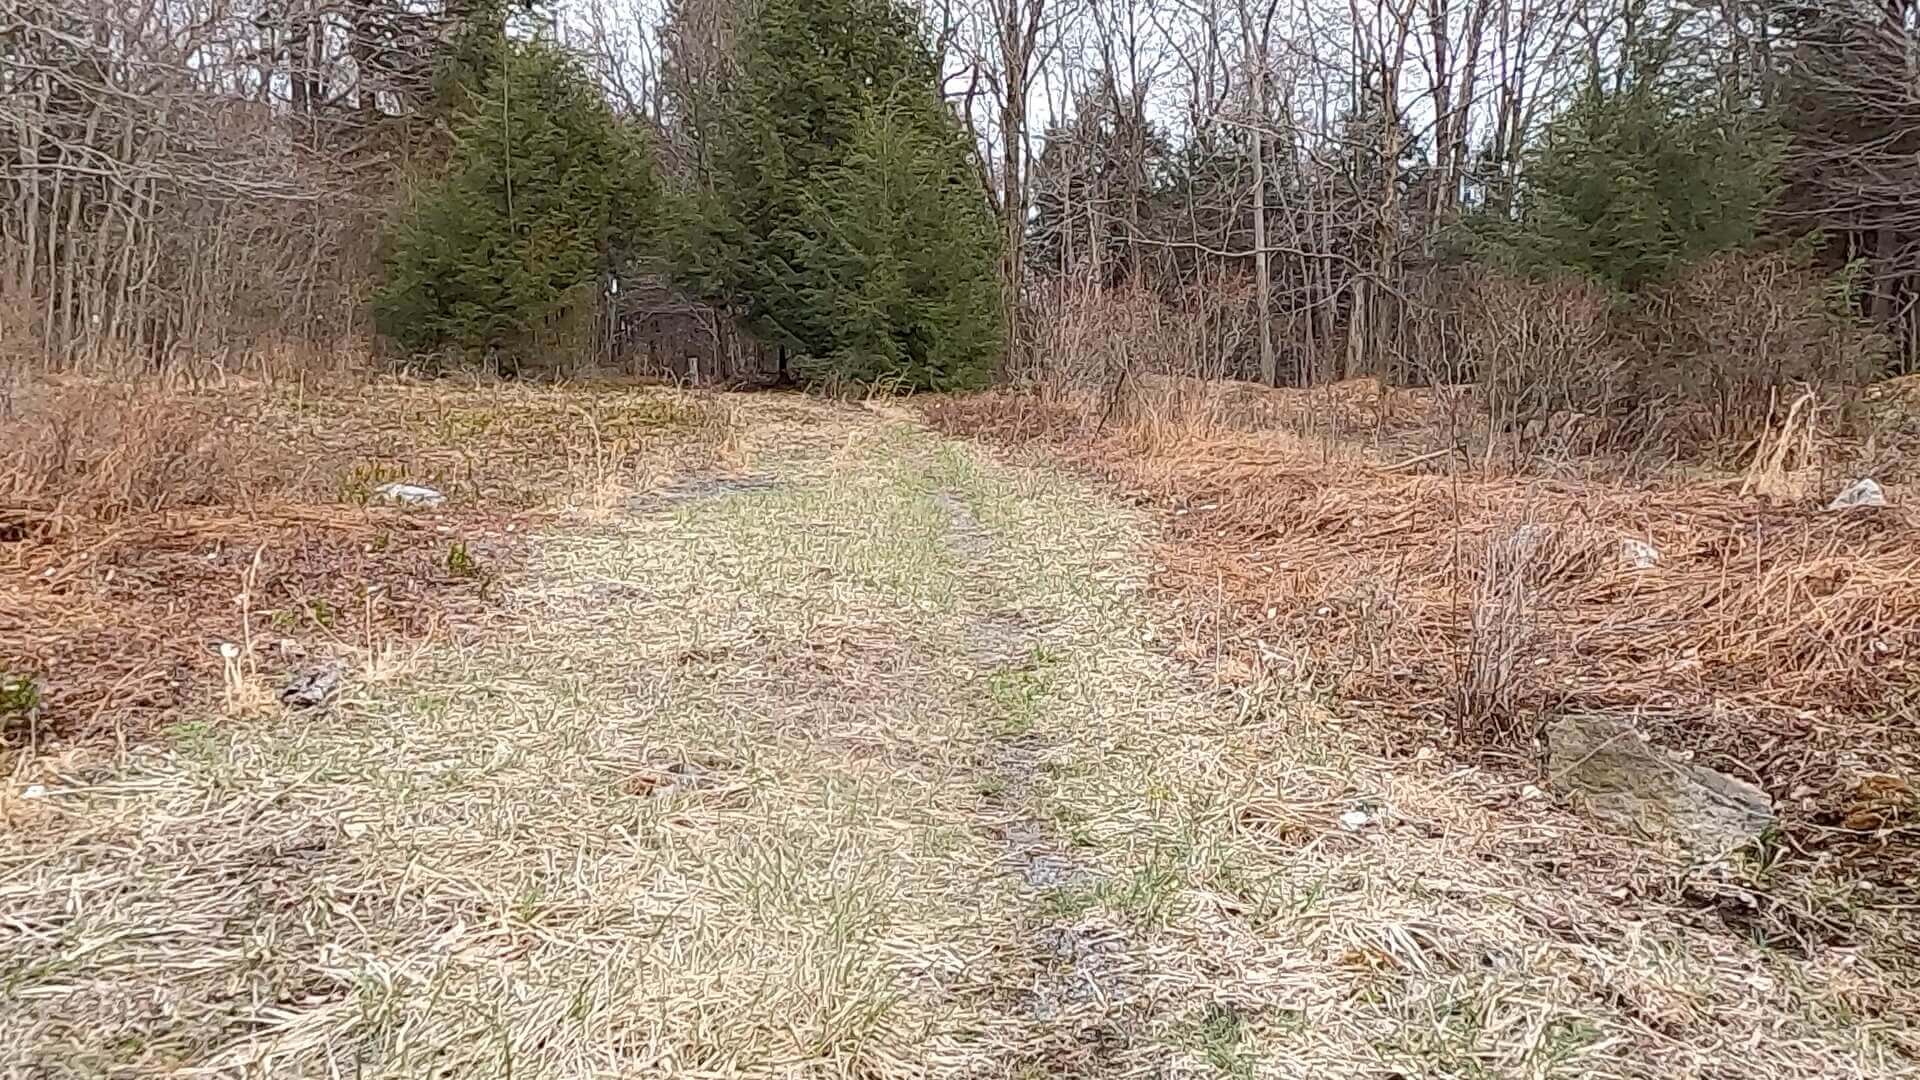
[
  {"x": 546, "y": 193},
  {"x": 810, "y": 230},
  {"x": 904, "y": 252},
  {"x": 1630, "y": 182}
]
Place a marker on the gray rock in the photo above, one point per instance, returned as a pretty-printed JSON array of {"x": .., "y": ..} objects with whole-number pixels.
[
  {"x": 1862, "y": 492},
  {"x": 408, "y": 495},
  {"x": 1638, "y": 554},
  {"x": 1636, "y": 787},
  {"x": 310, "y": 688}
]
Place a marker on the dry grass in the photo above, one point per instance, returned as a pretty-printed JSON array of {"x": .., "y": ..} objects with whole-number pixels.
[
  {"x": 869, "y": 761},
  {"x": 145, "y": 525},
  {"x": 1776, "y": 641}
]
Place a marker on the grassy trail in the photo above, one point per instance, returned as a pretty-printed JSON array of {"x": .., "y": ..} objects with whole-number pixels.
[{"x": 863, "y": 762}]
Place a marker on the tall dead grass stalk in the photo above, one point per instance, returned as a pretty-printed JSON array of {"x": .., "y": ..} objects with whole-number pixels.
[{"x": 1501, "y": 636}]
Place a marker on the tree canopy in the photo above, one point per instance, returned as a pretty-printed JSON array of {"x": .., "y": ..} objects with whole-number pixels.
[
  {"x": 1632, "y": 180},
  {"x": 844, "y": 220},
  {"x": 547, "y": 193}
]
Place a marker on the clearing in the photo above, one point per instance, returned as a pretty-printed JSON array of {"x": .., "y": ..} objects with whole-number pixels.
[{"x": 865, "y": 756}]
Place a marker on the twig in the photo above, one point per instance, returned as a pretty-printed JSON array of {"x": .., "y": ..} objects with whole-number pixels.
[{"x": 1412, "y": 461}]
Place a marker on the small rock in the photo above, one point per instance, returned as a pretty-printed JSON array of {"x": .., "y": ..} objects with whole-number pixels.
[
  {"x": 408, "y": 495},
  {"x": 1638, "y": 554},
  {"x": 1633, "y": 785},
  {"x": 1862, "y": 492},
  {"x": 311, "y": 688},
  {"x": 1355, "y": 820}
]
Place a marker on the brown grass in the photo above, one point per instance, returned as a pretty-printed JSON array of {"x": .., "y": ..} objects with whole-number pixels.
[
  {"x": 871, "y": 764},
  {"x": 145, "y": 525},
  {"x": 1778, "y": 642}
]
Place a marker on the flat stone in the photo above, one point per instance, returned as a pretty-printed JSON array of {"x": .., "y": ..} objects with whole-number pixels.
[
  {"x": 409, "y": 495},
  {"x": 1628, "y": 783},
  {"x": 312, "y": 687},
  {"x": 1862, "y": 492}
]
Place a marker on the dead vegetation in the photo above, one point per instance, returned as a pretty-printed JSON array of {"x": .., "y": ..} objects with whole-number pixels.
[
  {"x": 870, "y": 764},
  {"x": 163, "y": 542},
  {"x": 1368, "y": 540}
]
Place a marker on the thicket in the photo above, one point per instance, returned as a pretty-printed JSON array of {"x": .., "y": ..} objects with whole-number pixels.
[{"x": 880, "y": 191}]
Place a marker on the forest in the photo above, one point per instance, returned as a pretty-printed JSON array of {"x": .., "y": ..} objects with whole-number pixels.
[{"x": 1665, "y": 214}]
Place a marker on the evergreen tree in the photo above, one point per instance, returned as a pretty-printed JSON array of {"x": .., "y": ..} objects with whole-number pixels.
[
  {"x": 1634, "y": 180},
  {"x": 903, "y": 250},
  {"x": 547, "y": 192},
  {"x": 836, "y": 106}
]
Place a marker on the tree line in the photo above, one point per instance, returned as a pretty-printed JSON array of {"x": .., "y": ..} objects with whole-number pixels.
[{"x": 1717, "y": 197}]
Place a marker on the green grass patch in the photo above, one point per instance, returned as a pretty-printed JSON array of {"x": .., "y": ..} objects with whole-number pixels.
[{"x": 1219, "y": 1034}]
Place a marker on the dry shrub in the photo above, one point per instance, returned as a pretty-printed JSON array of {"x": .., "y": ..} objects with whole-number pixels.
[
  {"x": 1542, "y": 351},
  {"x": 101, "y": 451},
  {"x": 1703, "y": 366},
  {"x": 1502, "y": 633},
  {"x": 1889, "y": 448},
  {"x": 1735, "y": 338},
  {"x": 1153, "y": 371},
  {"x": 1124, "y": 356}
]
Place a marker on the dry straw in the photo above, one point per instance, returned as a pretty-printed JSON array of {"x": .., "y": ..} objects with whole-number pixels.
[{"x": 1781, "y": 642}]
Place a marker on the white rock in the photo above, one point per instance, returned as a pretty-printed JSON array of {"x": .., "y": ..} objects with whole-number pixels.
[
  {"x": 1354, "y": 820},
  {"x": 1638, "y": 554},
  {"x": 1862, "y": 492},
  {"x": 409, "y": 495}
]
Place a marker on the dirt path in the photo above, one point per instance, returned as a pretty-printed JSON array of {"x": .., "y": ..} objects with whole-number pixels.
[{"x": 863, "y": 762}]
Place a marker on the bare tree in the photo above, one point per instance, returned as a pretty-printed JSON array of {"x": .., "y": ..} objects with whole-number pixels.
[{"x": 198, "y": 178}]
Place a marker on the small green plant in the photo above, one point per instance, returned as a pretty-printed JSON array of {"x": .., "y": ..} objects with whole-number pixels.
[
  {"x": 1564, "y": 1040},
  {"x": 1219, "y": 1033},
  {"x": 457, "y": 426},
  {"x": 1017, "y": 695},
  {"x": 460, "y": 561},
  {"x": 364, "y": 478},
  {"x": 19, "y": 696},
  {"x": 1065, "y": 903},
  {"x": 322, "y": 612},
  {"x": 1150, "y": 894},
  {"x": 193, "y": 739}
]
